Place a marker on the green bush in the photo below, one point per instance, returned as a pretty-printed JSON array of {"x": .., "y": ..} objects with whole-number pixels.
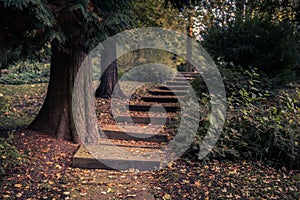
[
  {"x": 9, "y": 155},
  {"x": 263, "y": 131},
  {"x": 28, "y": 72},
  {"x": 121, "y": 72},
  {"x": 254, "y": 43},
  {"x": 234, "y": 78},
  {"x": 259, "y": 124},
  {"x": 181, "y": 67}
]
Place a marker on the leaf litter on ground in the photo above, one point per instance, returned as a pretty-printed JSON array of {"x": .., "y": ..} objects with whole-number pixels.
[{"x": 49, "y": 174}]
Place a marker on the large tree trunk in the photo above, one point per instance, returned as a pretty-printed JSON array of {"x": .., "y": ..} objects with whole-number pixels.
[
  {"x": 55, "y": 116},
  {"x": 109, "y": 77}
]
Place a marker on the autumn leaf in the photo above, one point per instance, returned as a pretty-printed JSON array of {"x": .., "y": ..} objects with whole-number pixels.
[
  {"x": 18, "y": 185},
  {"x": 167, "y": 197}
]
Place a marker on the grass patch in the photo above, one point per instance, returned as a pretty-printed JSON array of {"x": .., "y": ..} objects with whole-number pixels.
[
  {"x": 20, "y": 104},
  {"x": 21, "y": 90}
]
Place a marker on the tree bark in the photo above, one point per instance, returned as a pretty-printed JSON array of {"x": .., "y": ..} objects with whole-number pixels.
[
  {"x": 108, "y": 81},
  {"x": 55, "y": 117},
  {"x": 109, "y": 77},
  {"x": 189, "y": 51}
]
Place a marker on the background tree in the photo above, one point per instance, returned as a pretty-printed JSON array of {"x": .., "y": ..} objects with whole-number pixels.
[
  {"x": 156, "y": 13},
  {"x": 264, "y": 35},
  {"x": 17, "y": 38},
  {"x": 145, "y": 14},
  {"x": 119, "y": 21},
  {"x": 109, "y": 77}
]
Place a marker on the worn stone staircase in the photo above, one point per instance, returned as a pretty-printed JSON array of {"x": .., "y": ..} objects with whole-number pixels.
[{"x": 152, "y": 131}]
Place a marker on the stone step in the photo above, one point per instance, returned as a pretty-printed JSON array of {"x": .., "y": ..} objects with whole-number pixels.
[
  {"x": 160, "y": 99},
  {"x": 116, "y": 157},
  {"x": 155, "y": 108},
  {"x": 176, "y": 83},
  {"x": 167, "y": 92},
  {"x": 188, "y": 74},
  {"x": 189, "y": 77},
  {"x": 173, "y": 88},
  {"x": 156, "y": 120},
  {"x": 151, "y": 135},
  {"x": 178, "y": 78}
]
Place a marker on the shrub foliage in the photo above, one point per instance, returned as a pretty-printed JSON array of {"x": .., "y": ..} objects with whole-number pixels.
[
  {"x": 254, "y": 42},
  {"x": 26, "y": 72},
  {"x": 260, "y": 124}
]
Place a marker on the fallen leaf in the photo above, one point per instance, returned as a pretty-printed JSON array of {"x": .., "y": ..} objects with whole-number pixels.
[{"x": 18, "y": 185}]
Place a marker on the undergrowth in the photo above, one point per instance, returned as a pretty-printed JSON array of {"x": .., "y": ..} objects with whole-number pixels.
[
  {"x": 260, "y": 124},
  {"x": 26, "y": 72},
  {"x": 9, "y": 155}
]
